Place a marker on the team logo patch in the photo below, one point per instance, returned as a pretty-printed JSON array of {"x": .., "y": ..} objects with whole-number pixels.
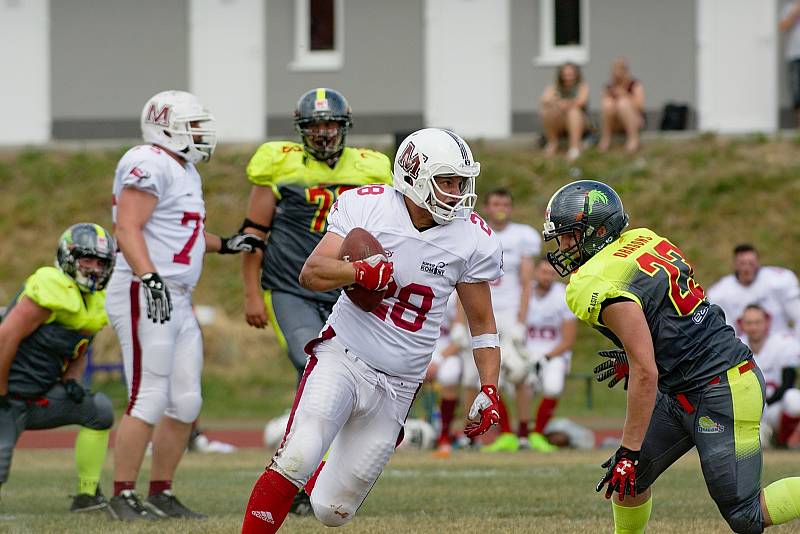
[
  {"x": 140, "y": 174},
  {"x": 595, "y": 196},
  {"x": 158, "y": 116},
  {"x": 706, "y": 425},
  {"x": 699, "y": 315},
  {"x": 436, "y": 269},
  {"x": 322, "y": 104}
]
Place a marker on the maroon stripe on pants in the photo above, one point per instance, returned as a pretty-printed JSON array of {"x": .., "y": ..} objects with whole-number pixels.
[
  {"x": 312, "y": 362},
  {"x": 137, "y": 348}
]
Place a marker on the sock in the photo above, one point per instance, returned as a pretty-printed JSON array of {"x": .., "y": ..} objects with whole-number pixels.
[
  {"x": 269, "y": 503},
  {"x": 631, "y": 520},
  {"x": 786, "y": 427},
  {"x": 90, "y": 454},
  {"x": 122, "y": 485},
  {"x": 157, "y": 486},
  {"x": 309, "y": 487},
  {"x": 783, "y": 500},
  {"x": 505, "y": 424},
  {"x": 447, "y": 407},
  {"x": 522, "y": 431},
  {"x": 544, "y": 413}
]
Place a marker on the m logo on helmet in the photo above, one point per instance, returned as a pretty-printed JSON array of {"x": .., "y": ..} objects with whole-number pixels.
[
  {"x": 595, "y": 196},
  {"x": 409, "y": 160},
  {"x": 160, "y": 116}
]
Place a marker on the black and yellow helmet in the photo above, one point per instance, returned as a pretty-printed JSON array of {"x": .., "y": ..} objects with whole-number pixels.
[
  {"x": 318, "y": 106},
  {"x": 592, "y": 213},
  {"x": 84, "y": 240}
]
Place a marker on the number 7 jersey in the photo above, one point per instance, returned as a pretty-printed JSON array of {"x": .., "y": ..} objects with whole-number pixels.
[
  {"x": 692, "y": 343},
  {"x": 399, "y": 337}
]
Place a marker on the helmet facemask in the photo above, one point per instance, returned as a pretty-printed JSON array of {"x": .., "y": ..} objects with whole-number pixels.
[
  {"x": 323, "y": 139},
  {"x": 197, "y": 134},
  {"x": 446, "y": 207}
]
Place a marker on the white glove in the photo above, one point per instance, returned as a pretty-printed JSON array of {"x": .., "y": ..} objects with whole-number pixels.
[{"x": 517, "y": 332}]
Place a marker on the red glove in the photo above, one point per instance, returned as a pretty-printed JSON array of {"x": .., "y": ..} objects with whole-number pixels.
[
  {"x": 621, "y": 474},
  {"x": 484, "y": 413},
  {"x": 373, "y": 273}
]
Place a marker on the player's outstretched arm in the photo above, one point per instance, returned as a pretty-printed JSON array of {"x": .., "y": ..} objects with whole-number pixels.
[
  {"x": 323, "y": 269},
  {"x": 23, "y": 319}
]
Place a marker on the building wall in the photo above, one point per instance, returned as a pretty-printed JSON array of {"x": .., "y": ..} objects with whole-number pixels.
[
  {"x": 108, "y": 58},
  {"x": 657, "y": 37},
  {"x": 383, "y": 70}
]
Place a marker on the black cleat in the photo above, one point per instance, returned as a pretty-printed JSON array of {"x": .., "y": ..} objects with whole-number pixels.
[
  {"x": 301, "y": 505},
  {"x": 165, "y": 504},
  {"x": 83, "y": 502},
  {"x": 127, "y": 507}
]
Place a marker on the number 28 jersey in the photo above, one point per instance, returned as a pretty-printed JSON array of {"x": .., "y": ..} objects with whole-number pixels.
[
  {"x": 692, "y": 342},
  {"x": 399, "y": 337},
  {"x": 174, "y": 232}
]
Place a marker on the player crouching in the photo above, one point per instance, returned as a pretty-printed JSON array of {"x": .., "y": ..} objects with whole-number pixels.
[{"x": 365, "y": 368}]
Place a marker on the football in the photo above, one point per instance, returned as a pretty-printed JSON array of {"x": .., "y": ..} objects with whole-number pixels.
[{"x": 357, "y": 245}]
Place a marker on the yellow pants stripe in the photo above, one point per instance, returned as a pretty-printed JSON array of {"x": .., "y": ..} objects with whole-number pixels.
[
  {"x": 273, "y": 321},
  {"x": 748, "y": 403}
]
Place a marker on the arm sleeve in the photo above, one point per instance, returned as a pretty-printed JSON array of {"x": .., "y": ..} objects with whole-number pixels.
[
  {"x": 51, "y": 289},
  {"x": 586, "y": 295},
  {"x": 486, "y": 262},
  {"x": 145, "y": 175},
  {"x": 261, "y": 168}
]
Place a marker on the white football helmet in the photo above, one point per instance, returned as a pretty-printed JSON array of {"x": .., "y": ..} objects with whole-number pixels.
[
  {"x": 432, "y": 152},
  {"x": 167, "y": 122}
]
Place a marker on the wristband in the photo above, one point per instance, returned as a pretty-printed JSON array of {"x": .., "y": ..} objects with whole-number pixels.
[{"x": 485, "y": 341}]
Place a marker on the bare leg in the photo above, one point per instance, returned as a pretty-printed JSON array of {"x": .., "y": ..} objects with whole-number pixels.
[
  {"x": 632, "y": 502},
  {"x": 631, "y": 121},
  {"x": 169, "y": 443},
  {"x": 524, "y": 395},
  {"x": 131, "y": 440},
  {"x": 553, "y": 125},
  {"x": 608, "y": 116},
  {"x": 575, "y": 125}
]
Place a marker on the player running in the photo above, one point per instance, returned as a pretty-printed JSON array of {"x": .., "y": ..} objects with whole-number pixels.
[
  {"x": 365, "y": 368},
  {"x": 552, "y": 328},
  {"x": 693, "y": 383},
  {"x": 43, "y": 339}
]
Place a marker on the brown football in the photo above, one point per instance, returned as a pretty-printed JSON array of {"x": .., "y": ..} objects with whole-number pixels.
[{"x": 357, "y": 245}]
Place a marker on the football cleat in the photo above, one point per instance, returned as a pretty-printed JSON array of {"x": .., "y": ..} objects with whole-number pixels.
[
  {"x": 505, "y": 442},
  {"x": 127, "y": 507},
  {"x": 301, "y": 505},
  {"x": 84, "y": 502},
  {"x": 538, "y": 442},
  {"x": 165, "y": 504}
]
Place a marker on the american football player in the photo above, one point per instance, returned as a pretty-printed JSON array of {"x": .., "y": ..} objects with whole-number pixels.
[
  {"x": 775, "y": 289},
  {"x": 778, "y": 356},
  {"x": 43, "y": 341},
  {"x": 364, "y": 368},
  {"x": 159, "y": 220},
  {"x": 552, "y": 329},
  {"x": 691, "y": 381},
  {"x": 510, "y": 296}
]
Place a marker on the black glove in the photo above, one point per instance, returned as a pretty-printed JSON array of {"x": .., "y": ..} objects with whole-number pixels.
[
  {"x": 75, "y": 391},
  {"x": 621, "y": 473},
  {"x": 241, "y": 243},
  {"x": 616, "y": 366},
  {"x": 4, "y": 402},
  {"x": 159, "y": 303}
]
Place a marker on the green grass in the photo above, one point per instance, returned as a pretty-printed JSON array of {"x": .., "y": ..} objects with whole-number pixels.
[
  {"x": 706, "y": 194},
  {"x": 470, "y": 492}
]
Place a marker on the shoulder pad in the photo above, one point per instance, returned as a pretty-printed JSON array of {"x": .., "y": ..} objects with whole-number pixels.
[
  {"x": 269, "y": 159},
  {"x": 50, "y": 288}
]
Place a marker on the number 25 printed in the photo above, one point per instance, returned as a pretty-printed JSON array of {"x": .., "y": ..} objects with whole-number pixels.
[{"x": 684, "y": 292}]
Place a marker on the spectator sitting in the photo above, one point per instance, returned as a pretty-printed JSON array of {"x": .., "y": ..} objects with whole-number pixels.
[
  {"x": 563, "y": 109},
  {"x": 623, "y": 107}
]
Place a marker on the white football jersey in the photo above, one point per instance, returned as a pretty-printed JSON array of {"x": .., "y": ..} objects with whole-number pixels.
[
  {"x": 174, "y": 233},
  {"x": 398, "y": 338},
  {"x": 519, "y": 241},
  {"x": 772, "y": 289},
  {"x": 777, "y": 352},
  {"x": 450, "y": 314},
  {"x": 546, "y": 316}
]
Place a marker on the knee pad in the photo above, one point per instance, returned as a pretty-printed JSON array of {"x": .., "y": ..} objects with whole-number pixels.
[
  {"x": 790, "y": 403},
  {"x": 151, "y": 400},
  {"x": 104, "y": 413},
  {"x": 300, "y": 453},
  {"x": 332, "y": 515},
  {"x": 553, "y": 378},
  {"x": 449, "y": 373},
  {"x": 185, "y": 407}
]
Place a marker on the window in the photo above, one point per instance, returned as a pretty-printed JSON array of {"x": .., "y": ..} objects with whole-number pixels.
[
  {"x": 318, "y": 35},
  {"x": 563, "y": 32}
]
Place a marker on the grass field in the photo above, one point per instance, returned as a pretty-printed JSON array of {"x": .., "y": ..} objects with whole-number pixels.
[{"x": 470, "y": 492}]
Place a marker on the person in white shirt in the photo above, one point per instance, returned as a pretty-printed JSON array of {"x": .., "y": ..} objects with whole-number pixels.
[
  {"x": 778, "y": 356},
  {"x": 364, "y": 369},
  {"x": 510, "y": 297},
  {"x": 552, "y": 329},
  {"x": 773, "y": 288},
  {"x": 159, "y": 220}
]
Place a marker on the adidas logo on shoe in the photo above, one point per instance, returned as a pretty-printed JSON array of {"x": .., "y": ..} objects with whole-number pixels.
[{"x": 264, "y": 516}]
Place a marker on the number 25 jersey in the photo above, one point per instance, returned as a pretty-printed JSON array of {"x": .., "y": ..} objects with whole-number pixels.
[
  {"x": 398, "y": 338},
  {"x": 692, "y": 342}
]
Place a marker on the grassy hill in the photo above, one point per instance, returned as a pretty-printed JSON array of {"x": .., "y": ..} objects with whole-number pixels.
[{"x": 706, "y": 194}]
